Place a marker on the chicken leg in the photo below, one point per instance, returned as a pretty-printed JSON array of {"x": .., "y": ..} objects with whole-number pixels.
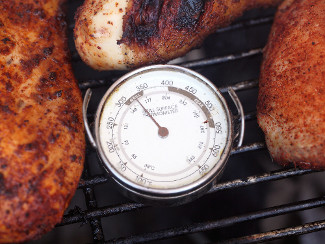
[{"x": 125, "y": 34}]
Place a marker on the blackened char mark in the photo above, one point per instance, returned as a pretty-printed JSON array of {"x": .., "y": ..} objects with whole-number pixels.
[
  {"x": 2, "y": 183},
  {"x": 142, "y": 22},
  {"x": 8, "y": 192},
  {"x": 189, "y": 13}
]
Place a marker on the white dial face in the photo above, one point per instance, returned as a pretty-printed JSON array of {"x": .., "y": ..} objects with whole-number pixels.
[{"x": 163, "y": 130}]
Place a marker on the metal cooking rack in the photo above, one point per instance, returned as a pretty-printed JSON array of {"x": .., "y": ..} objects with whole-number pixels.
[{"x": 92, "y": 214}]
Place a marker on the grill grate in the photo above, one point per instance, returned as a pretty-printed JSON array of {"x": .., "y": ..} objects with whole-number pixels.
[
  {"x": 284, "y": 209},
  {"x": 231, "y": 211}
]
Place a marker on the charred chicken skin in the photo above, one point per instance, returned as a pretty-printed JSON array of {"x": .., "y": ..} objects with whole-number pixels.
[
  {"x": 41, "y": 131},
  {"x": 112, "y": 34},
  {"x": 291, "y": 101}
]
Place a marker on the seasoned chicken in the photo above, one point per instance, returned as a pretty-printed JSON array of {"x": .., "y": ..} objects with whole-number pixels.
[
  {"x": 291, "y": 101},
  {"x": 41, "y": 131},
  {"x": 125, "y": 34}
]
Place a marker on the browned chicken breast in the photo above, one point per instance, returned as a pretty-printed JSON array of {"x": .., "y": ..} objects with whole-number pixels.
[
  {"x": 41, "y": 131},
  {"x": 291, "y": 102},
  {"x": 112, "y": 34}
]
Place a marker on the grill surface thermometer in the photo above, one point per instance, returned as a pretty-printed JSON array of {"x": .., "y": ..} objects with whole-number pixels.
[{"x": 164, "y": 133}]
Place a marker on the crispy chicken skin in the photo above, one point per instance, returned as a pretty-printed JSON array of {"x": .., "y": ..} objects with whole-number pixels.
[
  {"x": 124, "y": 34},
  {"x": 291, "y": 101},
  {"x": 41, "y": 131}
]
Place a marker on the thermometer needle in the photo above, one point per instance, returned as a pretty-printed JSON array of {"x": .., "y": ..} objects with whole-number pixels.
[{"x": 162, "y": 131}]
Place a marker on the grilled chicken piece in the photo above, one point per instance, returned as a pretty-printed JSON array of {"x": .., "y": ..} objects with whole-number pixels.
[
  {"x": 291, "y": 101},
  {"x": 41, "y": 131},
  {"x": 124, "y": 34}
]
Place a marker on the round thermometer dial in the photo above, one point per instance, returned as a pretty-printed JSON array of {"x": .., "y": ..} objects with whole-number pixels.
[{"x": 163, "y": 132}]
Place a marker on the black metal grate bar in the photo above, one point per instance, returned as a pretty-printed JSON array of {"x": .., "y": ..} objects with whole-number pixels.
[
  {"x": 83, "y": 85},
  {"x": 199, "y": 227},
  {"x": 241, "y": 86},
  {"x": 277, "y": 175},
  {"x": 224, "y": 59},
  {"x": 247, "y": 24},
  {"x": 92, "y": 181},
  {"x": 247, "y": 148},
  {"x": 85, "y": 216},
  {"x": 91, "y": 203},
  {"x": 280, "y": 233}
]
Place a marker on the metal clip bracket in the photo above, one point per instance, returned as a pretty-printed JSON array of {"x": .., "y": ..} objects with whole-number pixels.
[
  {"x": 239, "y": 131},
  {"x": 84, "y": 112}
]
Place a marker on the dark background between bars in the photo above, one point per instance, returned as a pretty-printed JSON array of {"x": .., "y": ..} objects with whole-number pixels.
[{"x": 255, "y": 200}]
